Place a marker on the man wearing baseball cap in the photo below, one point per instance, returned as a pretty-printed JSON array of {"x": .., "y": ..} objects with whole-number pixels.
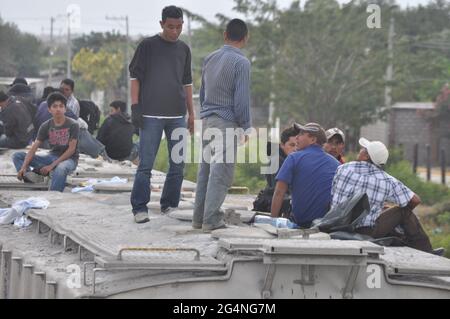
[
  {"x": 335, "y": 144},
  {"x": 308, "y": 173},
  {"x": 366, "y": 175}
]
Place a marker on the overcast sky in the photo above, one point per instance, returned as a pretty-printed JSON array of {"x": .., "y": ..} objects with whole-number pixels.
[{"x": 34, "y": 15}]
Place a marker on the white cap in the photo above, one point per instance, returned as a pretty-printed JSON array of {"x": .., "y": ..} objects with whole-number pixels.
[
  {"x": 378, "y": 152},
  {"x": 335, "y": 131}
]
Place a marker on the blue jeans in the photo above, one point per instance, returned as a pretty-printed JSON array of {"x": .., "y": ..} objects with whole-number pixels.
[
  {"x": 150, "y": 138},
  {"x": 59, "y": 173}
]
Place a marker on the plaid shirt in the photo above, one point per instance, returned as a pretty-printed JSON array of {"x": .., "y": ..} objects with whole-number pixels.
[{"x": 364, "y": 177}]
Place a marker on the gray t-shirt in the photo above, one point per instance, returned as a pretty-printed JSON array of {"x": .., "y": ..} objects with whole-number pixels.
[
  {"x": 59, "y": 136},
  {"x": 163, "y": 68}
]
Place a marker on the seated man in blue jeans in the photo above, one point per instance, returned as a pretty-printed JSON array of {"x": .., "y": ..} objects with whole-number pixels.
[{"x": 62, "y": 135}]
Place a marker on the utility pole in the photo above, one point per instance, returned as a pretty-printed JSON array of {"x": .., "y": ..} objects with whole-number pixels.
[
  {"x": 189, "y": 30},
  {"x": 390, "y": 77},
  {"x": 127, "y": 51},
  {"x": 69, "y": 48},
  {"x": 50, "y": 72}
]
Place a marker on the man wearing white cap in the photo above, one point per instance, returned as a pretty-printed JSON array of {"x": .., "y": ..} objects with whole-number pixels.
[
  {"x": 366, "y": 175},
  {"x": 335, "y": 144}
]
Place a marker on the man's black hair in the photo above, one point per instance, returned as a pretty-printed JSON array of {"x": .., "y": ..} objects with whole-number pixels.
[
  {"x": 69, "y": 82},
  {"x": 48, "y": 90},
  {"x": 236, "y": 30},
  {"x": 288, "y": 133},
  {"x": 55, "y": 97},
  {"x": 171, "y": 12},
  {"x": 3, "y": 96},
  {"x": 119, "y": 105}
]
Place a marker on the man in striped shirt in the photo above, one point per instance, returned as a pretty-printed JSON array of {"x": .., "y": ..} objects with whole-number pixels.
[
  {"x": 225, "y": 107},
  {"x": 367, "y": 176}
]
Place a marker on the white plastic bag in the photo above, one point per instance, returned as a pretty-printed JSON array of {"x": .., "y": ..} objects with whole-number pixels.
[
  {"x": 8, "y": 215},
  {"x": 92, "y": 182},
  {"x": 18, "y": 209}
]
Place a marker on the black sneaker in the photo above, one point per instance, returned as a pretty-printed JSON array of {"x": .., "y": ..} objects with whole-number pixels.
[{"x": 438, "y": 251}]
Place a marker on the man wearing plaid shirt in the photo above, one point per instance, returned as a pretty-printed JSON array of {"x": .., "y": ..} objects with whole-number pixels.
[{"x": 367, "y": 176}]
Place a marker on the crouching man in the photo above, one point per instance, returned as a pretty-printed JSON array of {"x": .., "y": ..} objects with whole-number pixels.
[{"x": 62, "y": 135}]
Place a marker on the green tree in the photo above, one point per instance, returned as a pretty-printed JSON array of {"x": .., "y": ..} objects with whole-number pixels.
[
  {"x": 20, "y": 53},
  {"x": 330, "y": 66},
  {"x": 102, "y": 69}
]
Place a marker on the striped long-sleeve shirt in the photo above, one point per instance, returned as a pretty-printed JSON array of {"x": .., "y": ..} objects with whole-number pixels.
[{"x": 225, "y": 89}]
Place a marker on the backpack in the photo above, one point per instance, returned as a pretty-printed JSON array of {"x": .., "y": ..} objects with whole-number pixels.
[
  {"x": 263, "y": 202},
  {"x": 90, "y": 113}
]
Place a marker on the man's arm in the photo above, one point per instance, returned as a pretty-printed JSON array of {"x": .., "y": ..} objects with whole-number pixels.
[
  {"x": 277, "y": 199},
  {"x": 134, "y": 91},
  {"x": 28, "y": 158},
  {"x": 414, "y": 202},
  {"x": 242, "y": 95},
  {"x": 103, "y": 131},
  {"x": 65, "y": 156},
  {"x": 190, "y": 108}
]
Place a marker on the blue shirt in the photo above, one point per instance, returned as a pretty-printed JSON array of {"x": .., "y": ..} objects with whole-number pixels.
[
  {"x": 309, "y": 174},
  {"x": 225, "y": 89}
]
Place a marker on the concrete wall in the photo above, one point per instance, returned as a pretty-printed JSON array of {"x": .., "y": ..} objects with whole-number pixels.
[
  {"x": 377, "y": 131},
  {"x": 409, "y": 129}
]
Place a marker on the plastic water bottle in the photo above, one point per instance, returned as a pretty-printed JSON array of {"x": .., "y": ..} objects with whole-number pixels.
[
  {"x": 284, "y": 223},
  {"x": 275, "y": 222},
  {"x": 262, "y": 219}
]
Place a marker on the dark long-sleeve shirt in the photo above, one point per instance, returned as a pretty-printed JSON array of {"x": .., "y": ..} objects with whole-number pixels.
[{"x": 163, "y": 69}]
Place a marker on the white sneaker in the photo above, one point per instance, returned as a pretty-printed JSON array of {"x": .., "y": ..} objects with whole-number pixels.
[
  {"x": 167, "y": 210},
  {"x": 141, "y": 218}
]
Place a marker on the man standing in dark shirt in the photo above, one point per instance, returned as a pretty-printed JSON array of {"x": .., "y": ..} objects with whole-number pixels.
[{"x": 161, "y": 91}]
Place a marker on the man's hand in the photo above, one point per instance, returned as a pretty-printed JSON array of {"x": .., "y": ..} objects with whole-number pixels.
[
  {"x": 190, "y": 124},
  {"x": 46, "y": 170},
  {"x": 21, "y": 173},
  {"x": 136, "y": 115},
  {"x": 243, "y": 139}
]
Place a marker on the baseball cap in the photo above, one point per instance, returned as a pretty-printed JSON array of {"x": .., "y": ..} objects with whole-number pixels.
[
  {"x": 19, "y": 81},
  {"x": 378, "y": 152},
  {"x": 335, "y": 131},
  {"x": 314, "y": 129},
  {"x": 19, "y": 89}
]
